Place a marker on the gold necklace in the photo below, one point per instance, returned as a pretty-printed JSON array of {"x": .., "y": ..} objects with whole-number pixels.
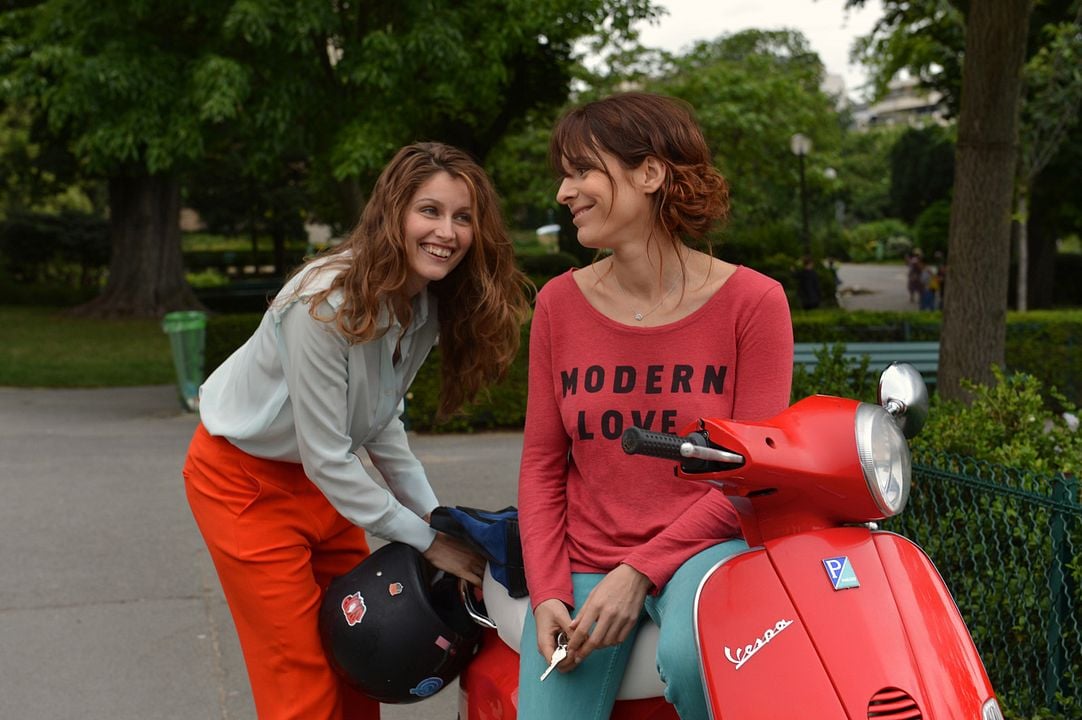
[{"x": 640, "y": 316}]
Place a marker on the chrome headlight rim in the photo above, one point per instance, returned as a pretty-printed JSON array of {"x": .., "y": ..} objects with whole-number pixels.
[{"x": 884, "y": 458}]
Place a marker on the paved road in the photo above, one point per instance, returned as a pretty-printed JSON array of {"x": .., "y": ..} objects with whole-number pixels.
[
  {"x": 109, "y": 605},
  {"x": 873, "y": 287}
]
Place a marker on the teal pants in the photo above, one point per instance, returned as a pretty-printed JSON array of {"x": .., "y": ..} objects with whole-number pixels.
[{"x": 589, "y": 691}]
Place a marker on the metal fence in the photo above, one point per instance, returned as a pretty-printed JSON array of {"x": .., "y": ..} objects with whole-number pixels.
[{"x": 1009, "y": 547}]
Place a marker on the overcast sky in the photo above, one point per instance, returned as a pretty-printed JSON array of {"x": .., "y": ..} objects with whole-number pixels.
[{"x": 830, "y": 29}]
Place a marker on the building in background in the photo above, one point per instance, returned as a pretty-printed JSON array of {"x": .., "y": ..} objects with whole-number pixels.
[{"x": 906, "y": 103}]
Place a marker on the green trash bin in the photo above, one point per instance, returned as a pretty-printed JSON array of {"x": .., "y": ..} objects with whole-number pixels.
[{"x": 187, "y": 337}]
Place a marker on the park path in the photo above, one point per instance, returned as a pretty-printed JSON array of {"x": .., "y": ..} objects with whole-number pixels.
[
  {"x": 873, "y": 287},
  {"x": 109, "y": 606}
]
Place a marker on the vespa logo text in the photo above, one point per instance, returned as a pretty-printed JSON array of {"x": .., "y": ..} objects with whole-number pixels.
[{"x": 742, "y": 655}]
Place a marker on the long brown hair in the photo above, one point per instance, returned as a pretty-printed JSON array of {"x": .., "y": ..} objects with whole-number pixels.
[
  {"x": 482, "y": 302},
  {"x": 633, "y": 126}
]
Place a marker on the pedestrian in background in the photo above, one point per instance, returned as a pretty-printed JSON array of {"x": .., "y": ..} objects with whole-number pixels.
[
  {"x": 808, "y": 287},
  {"x": 914, "y": 269}
]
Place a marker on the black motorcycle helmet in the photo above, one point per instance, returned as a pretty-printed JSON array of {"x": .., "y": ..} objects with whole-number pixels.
[{"x": 395, "y": 627}]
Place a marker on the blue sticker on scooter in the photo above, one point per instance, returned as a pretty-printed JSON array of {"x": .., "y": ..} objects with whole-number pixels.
[{"x": 841, "y": 573}]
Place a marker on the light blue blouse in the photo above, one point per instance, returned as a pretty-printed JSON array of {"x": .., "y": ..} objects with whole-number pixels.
[{"x": 298, "y": 391}]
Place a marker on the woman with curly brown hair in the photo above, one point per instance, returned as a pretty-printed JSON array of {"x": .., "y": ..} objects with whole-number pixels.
[
  {"x": 273, "y": 476},
  {"x": 654, "y": 334}
]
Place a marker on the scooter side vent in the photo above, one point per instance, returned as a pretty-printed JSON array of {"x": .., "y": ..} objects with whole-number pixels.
[{"x": 893, "y": 704}]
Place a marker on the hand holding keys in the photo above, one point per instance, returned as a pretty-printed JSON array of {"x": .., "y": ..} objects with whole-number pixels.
[{"x": 558, "y": 655}]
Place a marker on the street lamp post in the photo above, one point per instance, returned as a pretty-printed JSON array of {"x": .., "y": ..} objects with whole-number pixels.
[{"x": 801, "y": 145}]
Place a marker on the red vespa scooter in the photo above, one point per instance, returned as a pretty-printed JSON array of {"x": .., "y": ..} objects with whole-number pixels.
[{"x": 824, "y": 616}]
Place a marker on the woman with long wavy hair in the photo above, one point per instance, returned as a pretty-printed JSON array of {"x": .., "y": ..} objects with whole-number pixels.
[{"x": 273, "y": 475}]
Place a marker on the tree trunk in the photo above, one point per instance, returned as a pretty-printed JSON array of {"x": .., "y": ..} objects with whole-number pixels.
[
  {"x": 975, "y": 309},
  {"x": 146, "y": 271}
]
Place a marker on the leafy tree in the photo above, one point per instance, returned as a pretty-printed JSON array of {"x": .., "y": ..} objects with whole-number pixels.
[
  {"x": 931, "y": 231},
  {"x": 864, "y": 171},
  {"x": 752, "y": 91},
  {"x": 995, "y": 39},
  {"x": 1052, "y": 100},
  {"x": 1055, "y": 214},
  {"x": 36, "y": 175},
  {"x": 131, "y": 88},
  {"x": 921, "y": 170},
  {"x": 926, "y": 39},
  {"x": 923, "y": 38},
  {"x": 145, "y": 91}
]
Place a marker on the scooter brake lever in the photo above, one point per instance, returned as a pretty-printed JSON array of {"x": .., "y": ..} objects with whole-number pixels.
[{"x": 699, "y": 452}]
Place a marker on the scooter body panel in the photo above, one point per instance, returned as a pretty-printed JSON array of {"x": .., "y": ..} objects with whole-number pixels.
[
  {"x": 960, "y": 686},
  {"x": 812, "y": 621}
]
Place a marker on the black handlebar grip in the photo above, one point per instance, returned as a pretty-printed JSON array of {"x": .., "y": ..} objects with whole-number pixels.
[{"x": 636, "y": 441}]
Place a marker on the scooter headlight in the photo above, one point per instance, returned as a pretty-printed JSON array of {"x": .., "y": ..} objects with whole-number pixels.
[{"x": 884, "y": 456}]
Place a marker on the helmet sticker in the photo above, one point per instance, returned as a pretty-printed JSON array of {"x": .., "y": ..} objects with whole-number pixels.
[
  {"x": 353, "y": 608},
  {"x": 395, "y": 589},
  {"x": 442, "y": 642},
  {"x": 841, "y": 573},
  {"x": 428, "y": 686}
]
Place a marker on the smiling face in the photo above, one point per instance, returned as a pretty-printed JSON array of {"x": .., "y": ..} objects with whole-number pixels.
[
  {"x": 607, "y": 204},
  {"x": 438, "y": 229}
]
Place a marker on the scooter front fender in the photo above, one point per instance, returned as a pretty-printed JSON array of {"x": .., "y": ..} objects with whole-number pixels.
[{"x": 838, "y": 623}]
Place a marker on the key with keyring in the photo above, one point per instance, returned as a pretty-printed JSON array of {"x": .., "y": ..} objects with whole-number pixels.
[{"x": 557, "y": 655}]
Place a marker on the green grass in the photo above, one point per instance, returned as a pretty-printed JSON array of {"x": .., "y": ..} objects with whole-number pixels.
[
  {"x": 209, "y": 242},
  {"x": 42, "y": 347}
]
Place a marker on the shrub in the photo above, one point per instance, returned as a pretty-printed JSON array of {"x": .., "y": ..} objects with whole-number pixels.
[
  {"x": 878, "y": 240},
  {"x": 1012, "y": 422},
  {"x": 1067, "y": 289},
  {"x": 500, "y": 407},
  {"x": 224, "y": 334},
  {"x": 70, "y": 248},
  {"x": 1017, "y": 422},
  {"x": 834, "y": 374},
  {"x": 548, "y": 265},
  {"x": 206, "y": 278},
  {"x": 1043, "y": 345},
  {"x": 932, "y": 227}
]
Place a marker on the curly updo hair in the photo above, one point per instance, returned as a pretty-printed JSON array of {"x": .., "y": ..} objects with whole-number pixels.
[{"x": 633, "y": 126}]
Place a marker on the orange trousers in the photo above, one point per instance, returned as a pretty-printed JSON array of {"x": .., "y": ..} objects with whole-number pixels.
[{"x": 276, "y": 543}]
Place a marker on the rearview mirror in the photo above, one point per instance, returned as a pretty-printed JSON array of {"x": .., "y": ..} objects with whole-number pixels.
[{"x": 904, "y": 395}]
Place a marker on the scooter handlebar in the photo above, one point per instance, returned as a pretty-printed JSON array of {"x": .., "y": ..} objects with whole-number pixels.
[{"x": 636, "y": 441}]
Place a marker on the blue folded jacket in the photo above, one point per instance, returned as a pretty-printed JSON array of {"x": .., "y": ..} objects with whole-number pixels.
[{"x": 494, "y": 534}]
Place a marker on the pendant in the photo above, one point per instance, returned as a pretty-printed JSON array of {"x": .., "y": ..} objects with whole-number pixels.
[{"x": 638, "y": 316}]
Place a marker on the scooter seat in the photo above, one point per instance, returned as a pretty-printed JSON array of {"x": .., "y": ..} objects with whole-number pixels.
[{"x": 641, "y": 679}]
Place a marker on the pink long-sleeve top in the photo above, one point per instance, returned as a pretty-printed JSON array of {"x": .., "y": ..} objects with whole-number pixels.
[{"x": 584, "y": 505}]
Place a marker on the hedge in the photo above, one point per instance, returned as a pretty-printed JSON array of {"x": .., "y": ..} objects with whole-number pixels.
[{"x": 1047, "y": 345}]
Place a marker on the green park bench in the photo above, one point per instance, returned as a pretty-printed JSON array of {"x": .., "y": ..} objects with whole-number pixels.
[{"x": 921, "y": 354}]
